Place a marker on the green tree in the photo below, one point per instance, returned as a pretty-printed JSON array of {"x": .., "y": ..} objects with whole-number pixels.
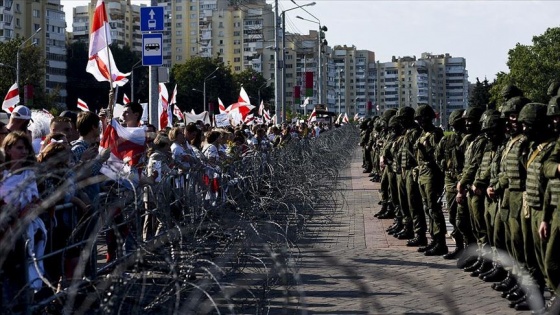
[
  {"x": 532, "y": 67},
  {"x": 32, "y": 69},
  {"x": 190, "y": 76},
  {"x": 255, "y": 85},
  {"x": 480, "y": 96}
]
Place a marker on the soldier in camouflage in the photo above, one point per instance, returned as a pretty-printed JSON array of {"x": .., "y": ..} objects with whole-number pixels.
[{"x": 387, "y": 205}]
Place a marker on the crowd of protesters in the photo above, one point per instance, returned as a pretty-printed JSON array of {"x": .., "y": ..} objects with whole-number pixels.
[
  {"x": 498, "y": 173},
  {"x": 63, "y": 166}
]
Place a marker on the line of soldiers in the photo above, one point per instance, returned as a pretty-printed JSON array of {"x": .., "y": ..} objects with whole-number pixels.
[{"x": 499, "y": 173}]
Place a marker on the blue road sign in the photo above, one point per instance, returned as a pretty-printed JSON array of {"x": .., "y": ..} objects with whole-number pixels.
[
  {"x": 151, "y": 19},
  {"x": 152, "y": 49}
]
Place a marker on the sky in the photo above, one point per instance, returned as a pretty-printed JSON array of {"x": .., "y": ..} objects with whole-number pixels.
[{"x": 482, "y": 31}]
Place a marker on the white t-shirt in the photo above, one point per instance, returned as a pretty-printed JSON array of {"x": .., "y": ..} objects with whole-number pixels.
[
  {"x": 211, "y": 152},
  {"x": 19, "y": 189},
  {"x": 178, "y": 152}
]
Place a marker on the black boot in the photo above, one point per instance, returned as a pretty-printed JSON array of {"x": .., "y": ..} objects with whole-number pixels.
[
  {"x": 511, "y": 290},
  {"x": 497, "y": 274},
  {"x": 383, "y": 210},
  {"x": 474, "y": 266},
  {"x": 418, "y": 240},
  {"x": 459, "y": 246},
  {"x": 427, "y": 247},
  {"x": 440, "y": 248},
  {"x": 506, "y": 284},
  {"x": 516, "y": 295},
  {"x": 468, "y": 256},
  {"x": 396, "y": 223},
  {"x": 484, "y": 267},
  {"x": 406, "y": 234},
  {"x": 395, "y": 228}
]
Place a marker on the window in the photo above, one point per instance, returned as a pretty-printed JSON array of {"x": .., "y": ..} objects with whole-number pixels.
[{"x": 36, "y": 13}]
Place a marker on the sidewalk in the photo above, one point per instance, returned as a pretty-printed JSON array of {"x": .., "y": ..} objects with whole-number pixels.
[{"x": 350, "y": 266}]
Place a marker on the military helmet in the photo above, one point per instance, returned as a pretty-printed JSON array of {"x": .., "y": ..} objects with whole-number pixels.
[
  {"x": 394, "y": 121},
  {"x": 424, "y": 111},
  {"x": 553, "y": 108},
  {"x": 388, "y": 114},
  {"x": 490, "y": 119},
  {"x": 510, "y": 91},
  {"x": 514, "y": 105},
  {"x": 406, "y": 112},
  {"x": 553, "y": 88},
  {"x": 456, "y": 116},
  {"x": 532, "y": 113},
  {"x": 473, "y": 113}
]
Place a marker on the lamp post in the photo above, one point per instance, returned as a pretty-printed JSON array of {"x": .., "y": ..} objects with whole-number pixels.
[
  {"x": 339, "y": 89},
  {"x": 208, "y": 78},
  {"x": 283, "y": 63},
  {"x": 260, "y": 88},
  {"x": 135, "y": 66},
  {"x": 18, "y": 54}
]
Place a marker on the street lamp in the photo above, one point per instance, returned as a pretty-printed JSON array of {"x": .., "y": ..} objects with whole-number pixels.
[
  {"x": 18, "y": 53},
  {"x": 319, "y": 55},
  {"x": 208, "y": 78},
  {"x": 283, "y": 65},
  {"x": 339, "y": 89},
  {"x": 135, "y": 66}
]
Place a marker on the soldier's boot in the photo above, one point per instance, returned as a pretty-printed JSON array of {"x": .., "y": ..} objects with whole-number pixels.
[
  {"x": 516, "y": 295},
  {"x": 371, "y": 174},
  {"x": 459, "y": 246},
  {"x": 534, "y": 298},
  {"x": 511, "y": 290},
  {"x": 405, "y": 234},
  {"x": 484, "y": 267},
  {"x": 396, "y": 222},
  {"x": 384, "y": 209},
  {"x": 475, "y": 265},
  {"x": 422, "y": 249},
  {"x": 505, "y": 284},
  {"x": 397, "y": 226},
  {"x": 498, "y": 273},
  {"x": 390, "y": 213},
  {"x": 440, "y": 248},
  {"x": 468, "y": 257},
  {"x": 418, "y": 240}
]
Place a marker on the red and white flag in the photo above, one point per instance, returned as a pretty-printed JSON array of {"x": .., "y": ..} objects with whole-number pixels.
[
  {"x": 125, "y": 99},
  {"x": 12, "y": 99},
  {"x": 242, "y": 108},
  {"x": 176, "y": 110},
  {"x": 312, "y": 116},
  {"x": 266, "y": 116},
  {"x": 82, "y": 105},
  {"x": 243, "y": 97},
  {"x": 261, "y": 109},
  {"x": 337, "y": 121},
  {"x": 165, "y": 114},
  {"x": 356, "y": 117},
  {"x": 127, "y": 145},
  {"x": 221, "y": 106},
  {"x": 249, "y": 120},
  {"x": 345, "y": 119},
  {"x": 101, "y": 63}
]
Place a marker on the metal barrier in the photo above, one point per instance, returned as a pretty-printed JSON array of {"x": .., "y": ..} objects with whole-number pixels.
[{"x": 239, "y": 221}]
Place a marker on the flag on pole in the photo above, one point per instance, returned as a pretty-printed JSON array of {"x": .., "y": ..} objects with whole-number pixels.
[
  {"x": 312, "y": 116},
  {"x": 83, "y": 105},
  {"x": 12, "y": 99},
  {"x": 163, "y": 108},
  {"x": 125, "y": 99},
  {"x": 356, "y": 117},
  {"x": 101, "y": 63},
  {"x": 345, "y": 119},
  {"x": 221, "y": 107},
  {"x": 337, "y": 121},
  {"x": 266, "y": 116},
  {"x": 261, "y": 109},
  {"x": 243, "y": 97},
  {"x": 127, "y": 146},
  {"x": 242, "y": 108},
  {"x": 176, "y": 110},
  {"x": 249, "y": 120}
]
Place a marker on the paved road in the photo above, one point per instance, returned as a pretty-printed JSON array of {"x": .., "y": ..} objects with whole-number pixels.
[{"x": 352, "y": 267}]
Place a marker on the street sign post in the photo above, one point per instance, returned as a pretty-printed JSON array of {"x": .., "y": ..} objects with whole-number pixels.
[
  {"x": 152, "y": 49},
  {"x": 151, "y": 19}
]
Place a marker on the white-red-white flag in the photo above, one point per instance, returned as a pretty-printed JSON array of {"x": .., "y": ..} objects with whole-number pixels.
[
  {"x": 11, "y": 100},
  {"x": 165, "y": 116},
  {"x": 305, "y": 102},
  {"x": 356, "y": 117},
  {"x": 127, "y": 145},
  {"x": 176, "y": 110},
  {"x": 261, "y": 108},
  {"x": 242, "y": 108},
  {"x": 221, "y": 107},
  {"x": 345, "y": 119},
  {"x": 266, "y": 116},
  {"x": 243, "y": 97},
  {"x": 125, "y": 99},
  {"x": 337, "y": 121},
  {"x": 101, "y": 63},
  {"x": 312, "y": 116},
  {"x": 82, "y": 105},
  {"x": 249, "y": 120}
]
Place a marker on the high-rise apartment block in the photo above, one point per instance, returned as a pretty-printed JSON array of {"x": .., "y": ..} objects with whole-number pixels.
[{"x": 22, "y": 18}]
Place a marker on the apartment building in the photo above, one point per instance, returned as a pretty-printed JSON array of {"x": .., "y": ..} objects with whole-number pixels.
[{"x": 22, "y": 18}]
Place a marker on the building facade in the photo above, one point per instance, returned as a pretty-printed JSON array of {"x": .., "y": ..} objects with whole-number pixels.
[{"x": 23, "y": 19}]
